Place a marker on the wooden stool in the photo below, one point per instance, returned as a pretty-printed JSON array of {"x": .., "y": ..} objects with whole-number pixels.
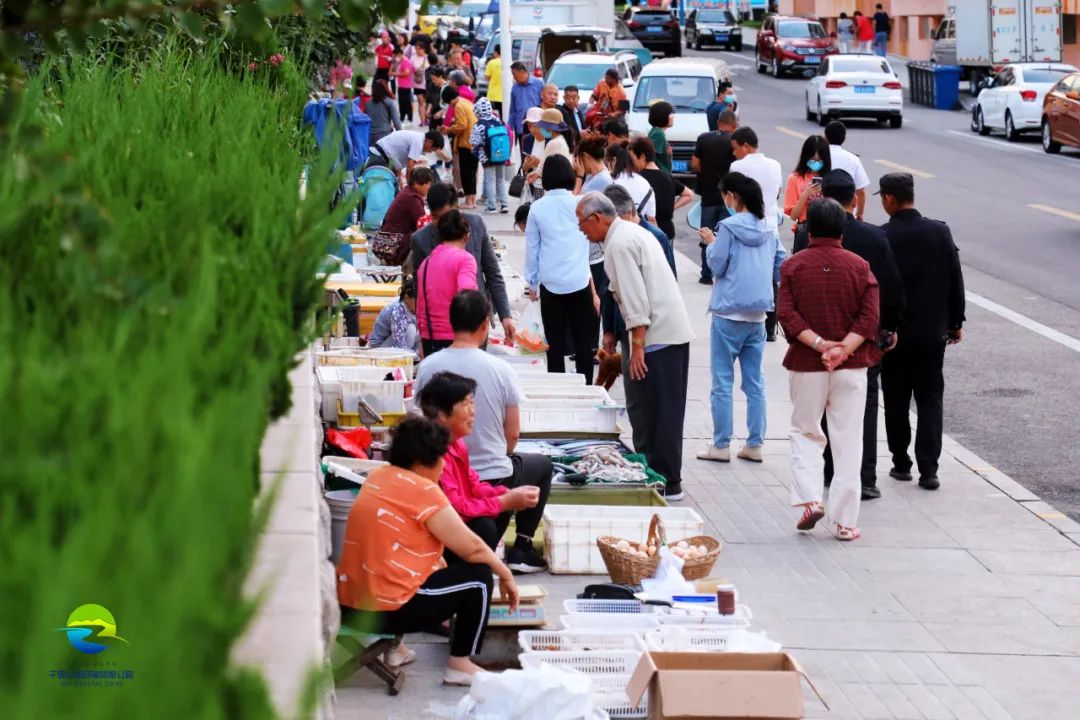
[{"x": 366, "y": 650}]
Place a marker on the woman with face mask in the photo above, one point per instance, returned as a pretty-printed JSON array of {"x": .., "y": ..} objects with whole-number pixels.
[
  {"x": 744, "y": 254},
  {"x": 804, "y": 185},
  {"x": 549, "y": 131}
]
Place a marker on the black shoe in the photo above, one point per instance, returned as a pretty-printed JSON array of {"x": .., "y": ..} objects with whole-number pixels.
[
  {"x": 674, "y": 492},
  {"x": 870, "y": 492},
  {"x": 902, "y": 475},
  {"x": 705, "y": 281},
  {"x": 524, "y": 560},
  {"x": 770, "y": 337},
  {"x": 929, "y": 482}
]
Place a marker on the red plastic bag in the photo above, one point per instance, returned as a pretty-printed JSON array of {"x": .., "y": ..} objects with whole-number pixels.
[{"x": 355, "y": 442}]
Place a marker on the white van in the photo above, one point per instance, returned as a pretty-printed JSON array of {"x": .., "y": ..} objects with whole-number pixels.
[{"x": 689, "y": 84}]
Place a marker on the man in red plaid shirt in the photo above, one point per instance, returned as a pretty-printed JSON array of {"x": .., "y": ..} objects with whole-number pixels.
[{"x": 828, "y": 307}]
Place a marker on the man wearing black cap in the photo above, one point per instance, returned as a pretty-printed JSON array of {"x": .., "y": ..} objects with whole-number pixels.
[
  {"x": 933, "y": 317},
  {"x": 868, "y": 242}
]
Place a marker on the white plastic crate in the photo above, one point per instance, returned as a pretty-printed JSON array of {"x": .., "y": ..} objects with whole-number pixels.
[
  {"x": 741, "y": 618},
  {"x": 695, "y": 638},
  {"x": 593, "y": 664},
  {"x": 569, "y": 415},
  {"x": 609, "y": 694},
  {"x": 554, "y": 391},
  {"x": 369, "y": 383},
  {"x": 527, "y": 360},
  {"x": 608, "y": 607},
  {"x": 375, "y": 357},
  {"x": 570, "y": 531},
  {"x": 330, "y": 389},
  {"x": 603, "y": 621},
  {"x": 579, "y": 640},
  {"x": 536, "y": 374}
]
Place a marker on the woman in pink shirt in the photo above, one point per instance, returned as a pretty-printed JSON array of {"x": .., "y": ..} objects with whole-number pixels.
[
  {"x": 448, "y": 269},
  {"x": 403, "y": 71}
]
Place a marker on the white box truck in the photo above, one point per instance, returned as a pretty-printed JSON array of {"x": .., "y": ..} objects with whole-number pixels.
[{"x": 982, "y": 35}]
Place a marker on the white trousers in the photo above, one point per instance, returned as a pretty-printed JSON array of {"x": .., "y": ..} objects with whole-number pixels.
[{"x": 841, "y": 396}]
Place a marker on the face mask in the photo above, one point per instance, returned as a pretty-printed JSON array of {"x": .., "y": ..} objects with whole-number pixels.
[
  {"x": 731, "y": 210},
  {"x": 815, "y": 165},
  {"x": 729, "y": 99},
  {"x": 546, "y": 134}
]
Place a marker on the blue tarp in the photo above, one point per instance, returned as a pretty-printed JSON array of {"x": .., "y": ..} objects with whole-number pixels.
[{"x": 357, "y": 135}]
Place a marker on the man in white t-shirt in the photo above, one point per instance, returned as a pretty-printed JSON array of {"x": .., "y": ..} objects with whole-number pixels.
[
  {"x": 754, "y": 164},
  {"x": 498, "y": 397},
  {"x": 836, "y": 134},
  {"x": 404, "y": 149}
]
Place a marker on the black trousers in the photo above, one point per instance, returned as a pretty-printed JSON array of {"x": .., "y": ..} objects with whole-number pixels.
[
  {"x": 468, "y": 164},
  {"x": 600, "y": 280},
  {"x": 528, "y": 469},
  {"x": 770, "y": 316},
  {"x": 404, "y": 99},
  {"x": 869, "y": 433},
  {"x": 431, "y": 347},
  {"x": 664, "y": 391},
  {"x": 461, "y": 591},
  {"x": 574, "y": 311},
  {"x": 914, "y": 369}
]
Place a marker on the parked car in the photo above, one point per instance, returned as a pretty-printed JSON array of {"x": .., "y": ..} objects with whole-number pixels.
[
  {"x": 585, "y": 69},
  {"x": 710, "y": 26},
  {"x": 655, "y": 28},
  {"x": 1061, "y": 115},
  {"x": 625, "y": 40},
  {"x": 540, "y": 47},
  {"x": 855, "y": 86},
  {"x": 1013, "y": 100},
  {"x": 786, "y": 44},
  {"x": 689, "y": 84}
]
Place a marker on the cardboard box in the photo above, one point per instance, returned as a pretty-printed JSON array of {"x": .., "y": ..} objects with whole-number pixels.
[{"x": 719, "y": 686}]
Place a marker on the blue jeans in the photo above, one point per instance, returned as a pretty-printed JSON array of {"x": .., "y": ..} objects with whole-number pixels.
[
  {"x": 495, "y": 186},
  {"x": 710, "y": 218},
  {"x": 881, "y": 40},
  {"x": 744, "y": 341}
]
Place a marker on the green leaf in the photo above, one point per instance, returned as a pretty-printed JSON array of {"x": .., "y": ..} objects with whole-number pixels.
[
  {"x": 276, "y": 8},
  {"x": 193, "y": 24},
  {"x": 313, "y": 8},
  {"x": 250, "y": 21}
]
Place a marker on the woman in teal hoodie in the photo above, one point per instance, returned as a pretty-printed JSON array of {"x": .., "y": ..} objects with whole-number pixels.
[{"x": 744, "y": 254}]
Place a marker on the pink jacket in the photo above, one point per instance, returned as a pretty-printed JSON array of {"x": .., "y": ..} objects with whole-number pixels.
[{"x": 470, "y": 496}]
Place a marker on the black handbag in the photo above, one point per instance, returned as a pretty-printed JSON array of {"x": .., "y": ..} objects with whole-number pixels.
[{"x": 517, "y": 184}]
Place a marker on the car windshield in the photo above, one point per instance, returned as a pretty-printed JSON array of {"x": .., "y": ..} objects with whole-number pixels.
[
  {"x": 686, "y": 94},
  {"x": 584, "y": 76},
  {"x": 863, "y": 65},
  {"x": 801, "y": 30},
  {"x": 1045, "y": 75},
  {"x": 651, "y": 15},
  {"x": 716, "y": 16}
]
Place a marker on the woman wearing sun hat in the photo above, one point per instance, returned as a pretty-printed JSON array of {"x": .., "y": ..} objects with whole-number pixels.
[{"x": 550, "y": 130}]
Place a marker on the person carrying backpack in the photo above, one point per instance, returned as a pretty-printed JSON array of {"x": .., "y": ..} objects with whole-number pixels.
[{"x": 492, "y": 146}]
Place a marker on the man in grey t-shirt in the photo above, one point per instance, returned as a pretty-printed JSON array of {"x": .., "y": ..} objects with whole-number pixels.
[{"x": 497, "y": 425}]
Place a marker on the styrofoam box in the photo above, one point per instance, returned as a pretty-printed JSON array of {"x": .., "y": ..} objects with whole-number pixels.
[
  {"x": 567, "y": 392},
  {"x": 539, "y": 374},
  {"x": 527, "y": 361},
  {"x": 569, "y": 415},
  {"x": 570, "y": 532},
  {"x": 330, "y": 388}
]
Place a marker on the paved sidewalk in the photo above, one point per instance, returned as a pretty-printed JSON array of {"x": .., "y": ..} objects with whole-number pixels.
[{"x": 962, "y": 603}]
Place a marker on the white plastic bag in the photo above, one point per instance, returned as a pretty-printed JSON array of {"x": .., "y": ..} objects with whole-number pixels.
[
  {"x": 530, "y": 334},
  {"x": 543, "y": 693}
]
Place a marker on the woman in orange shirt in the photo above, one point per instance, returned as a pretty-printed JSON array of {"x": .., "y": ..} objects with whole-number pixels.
[
  {"x": 814, "y": 162},
  {"x": 391, "y": 575}
]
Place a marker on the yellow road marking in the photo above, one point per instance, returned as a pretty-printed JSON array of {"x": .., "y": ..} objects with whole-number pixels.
[
  {"x": 1051, "y": 516},
  {"x": 1055, "y": 211},
  {"x": 792, "y": 133},
  {"x": 904, "y": 168}
]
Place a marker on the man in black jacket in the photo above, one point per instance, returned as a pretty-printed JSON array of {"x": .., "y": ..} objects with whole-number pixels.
[
  {"x": 933, "y": 317},
  {"x": 442, "y": 198},
  {"x": 869, "y": 243},
  {"x": 573, "y": 115}
]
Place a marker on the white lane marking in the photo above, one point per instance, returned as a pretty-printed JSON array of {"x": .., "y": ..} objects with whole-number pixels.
[
  {"x": 792, "y": 133},
  {"x": 1055, "y": 211},
  {"x": 1024, "y": 321},
  {"x": 1006, "y": 146},
  {"x": 904, "y": 168}
]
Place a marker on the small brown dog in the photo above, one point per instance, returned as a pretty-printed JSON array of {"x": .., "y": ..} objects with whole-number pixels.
[{"x": 610, "y": 368}]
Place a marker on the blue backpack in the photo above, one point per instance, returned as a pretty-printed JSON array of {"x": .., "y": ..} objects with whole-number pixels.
[
  {"x": 378, "y": 186},
  {"x": 498, "y": 143}
]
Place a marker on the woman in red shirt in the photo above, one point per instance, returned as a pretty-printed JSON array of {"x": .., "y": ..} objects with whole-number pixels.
[
  {"x": 384, "y": 53},
  {"x": 402, "y": 216}
]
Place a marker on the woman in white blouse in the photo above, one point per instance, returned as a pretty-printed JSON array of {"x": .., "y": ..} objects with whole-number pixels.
[{"x": 622, "y": 172}]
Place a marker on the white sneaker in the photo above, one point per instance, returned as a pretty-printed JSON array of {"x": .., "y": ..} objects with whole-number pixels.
[
  {"x": 457, "y": 678},
  {"x": 715, "y": 454},
  {"x": 753, "y": 454}
]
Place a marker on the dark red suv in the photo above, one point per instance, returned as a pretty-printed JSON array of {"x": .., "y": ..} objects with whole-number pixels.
[{"x": 791, "y": 44}]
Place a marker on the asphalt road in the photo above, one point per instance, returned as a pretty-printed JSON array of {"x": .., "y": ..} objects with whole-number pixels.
[{"x": 1012, "y": 395}]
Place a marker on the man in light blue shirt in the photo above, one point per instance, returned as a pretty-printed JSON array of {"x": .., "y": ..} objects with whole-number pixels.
[
  {"x": 557, "y": 270},
  {"x": 524, "y": 94}
]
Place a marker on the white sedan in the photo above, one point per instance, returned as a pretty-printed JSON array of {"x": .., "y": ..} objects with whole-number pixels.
[
  {"x": 1013, "y": 101},
  {"x": 855, "y": 86}
]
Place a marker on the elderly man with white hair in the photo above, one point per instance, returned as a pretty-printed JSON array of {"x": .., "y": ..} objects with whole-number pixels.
[{"x": 657, "y": 324}]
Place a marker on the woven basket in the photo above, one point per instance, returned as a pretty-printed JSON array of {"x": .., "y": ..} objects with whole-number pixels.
[
  {"x": 625, "y": 569},
  {"x": 700, "y": 567}
]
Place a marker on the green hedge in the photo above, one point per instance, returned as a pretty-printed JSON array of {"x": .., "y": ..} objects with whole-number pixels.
[{"x": 157, "y": 280}]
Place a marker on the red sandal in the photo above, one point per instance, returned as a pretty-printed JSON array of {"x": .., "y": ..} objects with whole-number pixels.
[
  {"x": 847, "y": 534},
  {"x": 810, "y": 517}
]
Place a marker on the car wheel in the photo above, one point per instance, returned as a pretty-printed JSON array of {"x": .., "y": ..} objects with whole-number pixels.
[
  {"x": 1048, "y": 139},
  {"x": 896, "y": 121},
  {"x": 776, "y": 71},
  {"x": 822, "y": 118},
  {"x": 757, "y": 62},
  {"x": 975, "y": 119},
  {"x": 980, "y": 125},
  {"x": 1010, "y": 128},
  {"x": 738, "y": 46},
  {"x": 688, "y": 41},
  {"x": 676, "y": 50},
  {"x": 809, "y": 113},
  {"x": 697, "y": 44}
]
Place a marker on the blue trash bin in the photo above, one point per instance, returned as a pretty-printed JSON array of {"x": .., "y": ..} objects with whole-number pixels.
[{"x": 946, "y": 87}]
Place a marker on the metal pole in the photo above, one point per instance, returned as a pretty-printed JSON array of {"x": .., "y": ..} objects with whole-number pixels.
[{"x": 507, "y": 54}]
